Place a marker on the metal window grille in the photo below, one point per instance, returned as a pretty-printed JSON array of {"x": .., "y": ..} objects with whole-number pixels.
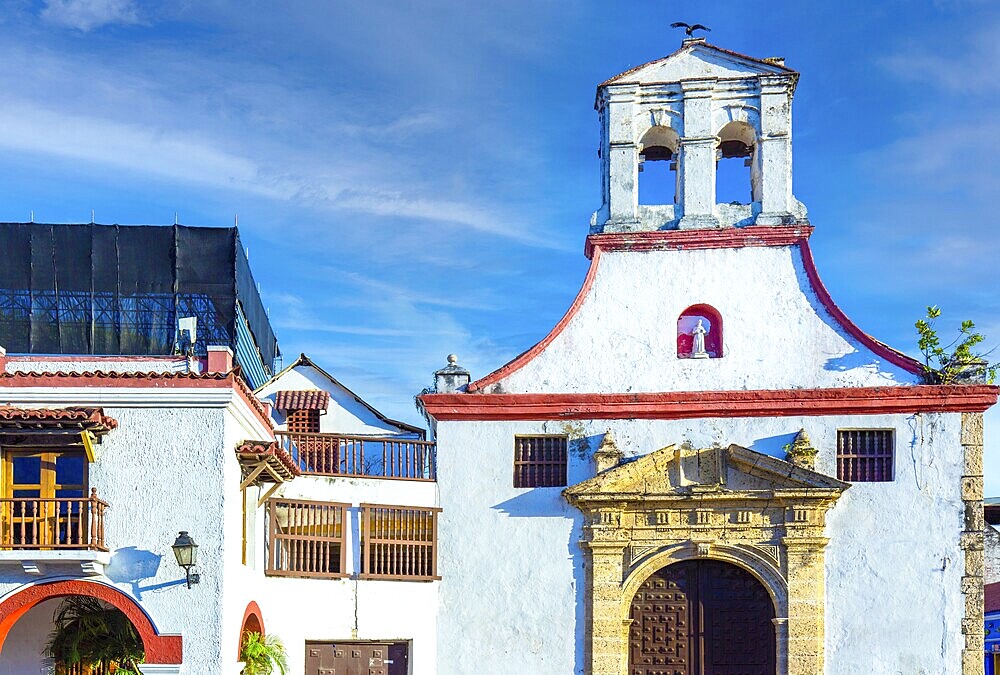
[
  {"x": 865, "y": 455},
  {"x": 398, "y": 542},
  {"x": 303, "y": 421},
  {"x": 539, "y": 461},
  {"x": 305, "y": 538}
]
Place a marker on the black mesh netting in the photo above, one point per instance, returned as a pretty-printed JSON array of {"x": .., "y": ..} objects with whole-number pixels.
[{"x": 111, "y": 289}]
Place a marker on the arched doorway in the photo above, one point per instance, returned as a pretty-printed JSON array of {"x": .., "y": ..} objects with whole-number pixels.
[
  {"x": 702, "y": 617},
  {"x": 160, "y": 649}
]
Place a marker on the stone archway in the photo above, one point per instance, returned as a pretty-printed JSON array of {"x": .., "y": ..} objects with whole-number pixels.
[
  {"x": 732, "y": 505},
  {"x": 164, "y": 653}
]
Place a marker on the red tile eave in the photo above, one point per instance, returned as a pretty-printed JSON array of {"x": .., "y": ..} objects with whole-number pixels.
[
  {"x": 107, "y": 380},
  {"x": 255, "y": 449},
  {"x": 702, "y": 404},
  {"x": 312, "y": 399},
  {"x": 92, "y": 419}
]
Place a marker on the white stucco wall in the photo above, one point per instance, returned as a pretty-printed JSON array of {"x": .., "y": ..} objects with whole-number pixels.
[
  {"x": 513, "y": 575},
  {"x": 345, "y": 414},
  {"x": 162, "y": 471},
  {"x": 24, "y": 648},
  {"x": 776, "y": 334}
]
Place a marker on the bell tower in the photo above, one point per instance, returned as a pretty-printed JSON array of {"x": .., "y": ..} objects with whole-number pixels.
[{"x": 687, "y": 112}]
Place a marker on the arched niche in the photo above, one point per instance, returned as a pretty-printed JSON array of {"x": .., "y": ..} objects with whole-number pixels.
[{"x": 688, "y": 326}]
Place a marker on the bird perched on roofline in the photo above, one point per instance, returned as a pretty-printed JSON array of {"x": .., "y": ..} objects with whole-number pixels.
[{"x": 688, "y": 28}]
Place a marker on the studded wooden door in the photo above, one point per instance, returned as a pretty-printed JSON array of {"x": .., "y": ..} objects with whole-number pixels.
[
  {"x": 702, "y": 617},
  {"x": 356, "y": 658}
]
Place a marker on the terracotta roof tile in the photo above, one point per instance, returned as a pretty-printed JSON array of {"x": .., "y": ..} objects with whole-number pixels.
[
  {"x": 92, "y": 419},
  {"x": 262, "y": 450},
  {"x": 313, "y": 399}
]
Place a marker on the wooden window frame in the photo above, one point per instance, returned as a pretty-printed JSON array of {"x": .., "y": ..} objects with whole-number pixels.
[
  {"x": 539, "y": 473},
  {"x": 389, "y": 553},
  {"x": 295, "y": 554},
  {"x": 863, "y": 465}
]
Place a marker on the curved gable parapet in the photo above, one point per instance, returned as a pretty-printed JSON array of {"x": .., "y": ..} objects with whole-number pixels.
[{"x": 783, "y": 329}]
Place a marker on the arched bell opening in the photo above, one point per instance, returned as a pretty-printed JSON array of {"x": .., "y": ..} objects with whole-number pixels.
[
  {"x": 736, "y": 179},
  {"x": 658, "y": 175}
]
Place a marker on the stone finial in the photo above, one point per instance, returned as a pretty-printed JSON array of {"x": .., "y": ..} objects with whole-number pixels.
[
  {"x": 800, "y": 451},
  {"x": 608, "y": 454},
  {"x": 451, "y": 378}
]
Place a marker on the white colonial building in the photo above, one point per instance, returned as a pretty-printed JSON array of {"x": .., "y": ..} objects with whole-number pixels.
[
  {"x": 705, "y": 467},
  {"x": 315, "y": 515}
]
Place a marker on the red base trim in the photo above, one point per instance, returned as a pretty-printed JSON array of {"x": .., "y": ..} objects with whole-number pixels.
[
  {"x": 701, "y": 404},
  {"x": 676, "y": 240},
  {"x": 165, "y": 649}
]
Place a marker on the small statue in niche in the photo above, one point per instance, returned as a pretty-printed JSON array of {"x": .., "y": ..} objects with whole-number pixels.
[{"x": 698, "y": 342}]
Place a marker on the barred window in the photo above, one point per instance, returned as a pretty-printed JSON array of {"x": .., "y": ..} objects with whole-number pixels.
[
  {"x": 305, "y": 538},
  {"x": 398, "y": 542},
  {"x": 865, "y": 455},
  {"x": 303, "y": 421},
  {"x": 539, "y": 461}
]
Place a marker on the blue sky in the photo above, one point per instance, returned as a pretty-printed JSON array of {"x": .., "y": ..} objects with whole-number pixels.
[{"x": 415, "y": 179}]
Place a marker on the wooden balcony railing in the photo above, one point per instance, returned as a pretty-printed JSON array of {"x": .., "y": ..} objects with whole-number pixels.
[
  {"x": 398, "y": 543},
  {"x": 305, "y": 538},
  {"x": 52, "y": 523},
  {"x": 337, "y": 455}
]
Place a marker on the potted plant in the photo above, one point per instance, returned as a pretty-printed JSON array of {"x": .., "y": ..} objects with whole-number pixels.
[
  {"x": 91, "y": 634},
  {"x": 262, "y": 654}
]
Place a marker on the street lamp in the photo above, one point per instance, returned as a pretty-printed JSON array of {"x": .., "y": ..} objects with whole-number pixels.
[{"x": 186, "y": 552}]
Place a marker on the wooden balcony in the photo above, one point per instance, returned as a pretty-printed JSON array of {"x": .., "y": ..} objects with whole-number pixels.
[
  {"x": 337, "y": 455},
  {"x": 31, "y": 523}
]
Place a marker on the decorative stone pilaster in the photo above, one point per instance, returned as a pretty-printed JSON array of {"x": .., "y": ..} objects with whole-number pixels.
[
  {"x": 606, "y": 647},
  {"x": 806, "y": 603},
  {"x": 972, "y": 543}
]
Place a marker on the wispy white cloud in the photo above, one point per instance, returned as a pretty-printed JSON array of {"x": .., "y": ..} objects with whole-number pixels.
[
  {"x": 968, "y": 66},
  {"x": 86, "y": 15}
]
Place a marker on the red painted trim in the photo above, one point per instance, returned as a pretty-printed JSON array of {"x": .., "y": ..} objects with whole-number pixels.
[
  {"x": 701, "y": 404},
  {"x": 885, "y": 351},
  {"x": 165, "y": 649},
  {"x": 140, "y": 381},
  {"x": 252, "y": 610},
  {"x": 518, "y": 362},
  {"x": 676, "y": 240}
]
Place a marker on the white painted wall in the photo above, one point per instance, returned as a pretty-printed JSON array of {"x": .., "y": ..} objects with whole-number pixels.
[
  {"x": 23, "y": 650},
  {"x": 776, "y": 333},
  {"x": 513, "y": 575},
  {"x": 345, "y": 414}
]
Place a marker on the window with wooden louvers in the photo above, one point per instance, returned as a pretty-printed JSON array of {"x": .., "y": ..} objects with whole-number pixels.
[
  {"x": 539, "y": 461},
  {"x": 865, "y": 455}
]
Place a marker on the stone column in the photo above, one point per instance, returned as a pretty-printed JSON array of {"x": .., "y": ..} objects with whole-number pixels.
[
  {"x": 781, "y": 641},
  {"x": 972, "y": 544},
  {"x": 697, "y": 157},
  {"x": 606, "y": 646},
  {"x": 623, "y": 162},
  {"x": 806, "y": 604},
  {"x": 774, "y": 150}
]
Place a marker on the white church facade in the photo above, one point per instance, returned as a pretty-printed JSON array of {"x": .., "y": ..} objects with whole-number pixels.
[{"x": 705, "y": 467}]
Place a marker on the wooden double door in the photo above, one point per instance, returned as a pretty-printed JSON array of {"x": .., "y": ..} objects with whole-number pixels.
[
  {"x": 357, "y": 658},
  {"x": 702, "y": 617}
]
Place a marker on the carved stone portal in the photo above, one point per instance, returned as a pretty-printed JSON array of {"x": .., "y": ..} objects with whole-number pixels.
[{"x": 734, "y": 505}]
